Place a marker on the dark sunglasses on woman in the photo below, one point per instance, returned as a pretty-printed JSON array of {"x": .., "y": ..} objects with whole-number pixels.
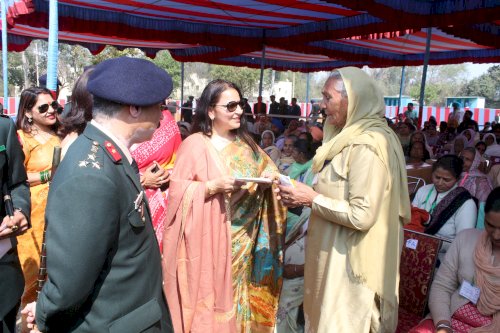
[
  {"x": 231, "y": 106},
  {"x": 45, "y": 107}
]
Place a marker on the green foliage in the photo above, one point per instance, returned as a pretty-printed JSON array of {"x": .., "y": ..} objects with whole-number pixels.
[
  {"x": 164, "y": 60},
  {"x": 441, "y": 82},
  {"x": 245, "y": 78},
  {"x": 486, "y": 85}
]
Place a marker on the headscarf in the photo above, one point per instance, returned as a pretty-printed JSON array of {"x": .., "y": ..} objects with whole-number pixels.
[
  {"x": 272, "y": 150},
  {"x": 469, "y": 143},
  {"x": 476, "y": 182},
  {"x": 488, "y": 281},
  {"x": 458, "y": 137},
  {"x": 494, "y": 139},
  {"x": 366, "y": 125},
  {"x": 262, "y": 137}
]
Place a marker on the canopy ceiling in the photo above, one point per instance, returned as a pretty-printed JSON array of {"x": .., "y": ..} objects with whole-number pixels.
[{"x": 309, "y": 35}]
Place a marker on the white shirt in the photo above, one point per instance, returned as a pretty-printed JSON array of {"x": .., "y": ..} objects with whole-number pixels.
[{"x": 464, "y": 218}]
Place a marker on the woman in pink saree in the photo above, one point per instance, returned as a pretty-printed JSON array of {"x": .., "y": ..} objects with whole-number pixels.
[
  {"x": 223, "y": 240},
  {"x": 155, "y": 159}
]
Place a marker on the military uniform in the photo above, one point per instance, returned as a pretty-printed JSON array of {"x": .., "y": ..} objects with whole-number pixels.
[
  {"x": 14, "y": 173},
  {"x": 103, "y": 261}
]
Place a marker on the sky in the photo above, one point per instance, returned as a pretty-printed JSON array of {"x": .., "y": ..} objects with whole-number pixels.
[{"x": 476, "y": 70}]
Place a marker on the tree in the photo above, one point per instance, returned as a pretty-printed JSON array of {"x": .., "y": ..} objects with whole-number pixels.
[
  {"x": 486, "y": 85},
  {"x": 164, "y": 60},
  {"x": 245, "y": 78},
  {"x": 442, "y": 81}
]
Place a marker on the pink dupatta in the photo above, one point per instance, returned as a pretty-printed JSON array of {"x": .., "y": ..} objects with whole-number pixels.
[
  {"x": 197, "y": 246},
  {"x": 161, "y": 148}
]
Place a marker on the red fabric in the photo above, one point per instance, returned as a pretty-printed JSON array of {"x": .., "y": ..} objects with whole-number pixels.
[
  {"x": 468, "y": 316},
  {"x": 407, "y": 320},
  {"x": 162, "y": 149},
  {"x": 463, "y": 320},
  {"x": 418, "y": 217}
]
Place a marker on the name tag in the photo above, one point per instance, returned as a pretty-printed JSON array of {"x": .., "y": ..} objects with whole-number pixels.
[
  {"x": 412, "y": 243},
  {"x": 469, "y": 291}
]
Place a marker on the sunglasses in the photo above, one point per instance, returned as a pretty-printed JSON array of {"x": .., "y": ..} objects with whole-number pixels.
[
  {"x": 231, "y": 106},
  {"x": 45, "y": 107}
]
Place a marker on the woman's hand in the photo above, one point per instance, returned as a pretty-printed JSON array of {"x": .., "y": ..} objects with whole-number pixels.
[
  {"x": 298, "y": 195},
  {"x": 446, "y": 329},
  {"x": 17, "y": 225},
  {"x": 154, "y": 176},
  {"x": 224, "y": 184}
]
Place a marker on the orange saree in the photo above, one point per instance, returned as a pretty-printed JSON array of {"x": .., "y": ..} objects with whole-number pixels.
[{"x": 38, "y": 157}]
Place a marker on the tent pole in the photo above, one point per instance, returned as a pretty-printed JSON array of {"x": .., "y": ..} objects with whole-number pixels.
[
  {"x": 182, "y": 84},
  {"x": 401, "y": 88},
  {"x": 262, "y": 59},
  {"x": 4, "y": 54},
  {"x": 53, "y": 48},
  {"x": 308, "y": 79},
  {"x": 424, "y": 76}
]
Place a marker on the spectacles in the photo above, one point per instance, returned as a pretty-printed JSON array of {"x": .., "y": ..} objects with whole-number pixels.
[
  {"x": 45, "y": 107},
  {"x": 231, "y": 106}
]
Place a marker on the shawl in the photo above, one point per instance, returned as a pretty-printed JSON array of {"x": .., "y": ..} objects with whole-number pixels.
[
  {"x": 472, "y": 133},
  {"x": 488, "y": 281},
  {"x": 494, "y": 139},
  {"x": 459, "y": 137},
  {"x": 476, "y": 182},
  {"x": 446, "y": 208},
  {"x": 366, "y": 125}
]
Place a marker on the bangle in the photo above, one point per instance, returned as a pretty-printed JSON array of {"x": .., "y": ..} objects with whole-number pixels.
[
  {"x": 211, "y": 189},
  {"x": 44, "y": 176},
  {"x": 448, "y": 327}
]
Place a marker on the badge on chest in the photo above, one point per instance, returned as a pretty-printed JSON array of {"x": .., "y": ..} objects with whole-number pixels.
[
  {"x": 469, "y": 291},
  {"x": 139, "y": 205}
]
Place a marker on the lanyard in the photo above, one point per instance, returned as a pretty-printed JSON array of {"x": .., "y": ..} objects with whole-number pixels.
[{"x": 427, "y": 199}]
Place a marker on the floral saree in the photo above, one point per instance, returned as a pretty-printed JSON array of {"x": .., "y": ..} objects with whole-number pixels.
[{"x": 222, "y": 255}]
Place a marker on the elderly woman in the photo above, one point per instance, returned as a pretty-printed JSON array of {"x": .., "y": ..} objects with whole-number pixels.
[
  {"x": 475, "y": 181},
  {"x": 451, "y": 207},
  {"x": 358, "y": 202},
  {"x": 223, "y": 241},
  {"x": 492, "y": 149},
  {"x": 37, "y": 127},
  {"x": 464, "y": 295},
  {"x": 267, "y": 144}
]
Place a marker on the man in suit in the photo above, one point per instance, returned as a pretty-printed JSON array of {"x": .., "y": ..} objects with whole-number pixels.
[
  {"x": 103, "y": 260},
  {"x": 13, "y": 179}
]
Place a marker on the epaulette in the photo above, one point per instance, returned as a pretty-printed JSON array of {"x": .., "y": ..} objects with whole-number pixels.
[
  {"x": 4, "y": 115},
  {"x": 115, "y": 155},
  {"x": 91, "y": 160}
]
